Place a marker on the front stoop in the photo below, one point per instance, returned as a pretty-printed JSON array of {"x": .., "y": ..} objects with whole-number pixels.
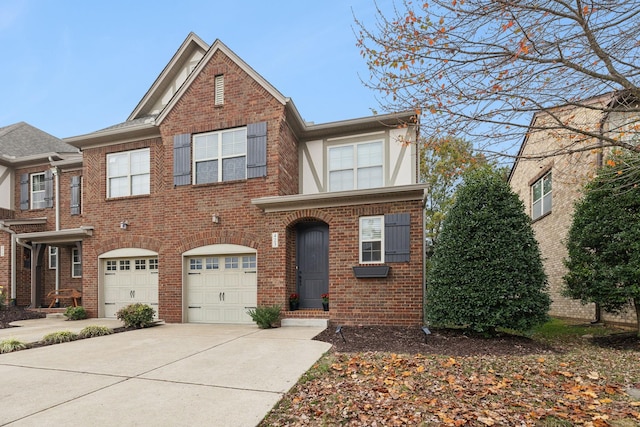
[
  {"x": 51, "y": 312},
  {"x": 310, "y": 318}
]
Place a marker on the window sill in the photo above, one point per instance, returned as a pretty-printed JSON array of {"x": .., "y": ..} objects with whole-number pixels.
[
  {"x": 541, "y": 217},
  {"x": 137, "y": 196},
  {"x": 367, "y": 271}
]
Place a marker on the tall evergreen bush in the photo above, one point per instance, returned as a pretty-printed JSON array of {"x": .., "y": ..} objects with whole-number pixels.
[{"x": 487, "y": 271}]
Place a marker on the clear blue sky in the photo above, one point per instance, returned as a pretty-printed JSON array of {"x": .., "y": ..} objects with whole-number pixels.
[{"x": 72, "y": 67}]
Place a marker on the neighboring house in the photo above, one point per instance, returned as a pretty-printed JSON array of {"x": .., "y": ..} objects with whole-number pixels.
[
  {"x": 32, "y": 165},
  {"x": 550, "y": 182},
  {"x": 216, "y": 196}
]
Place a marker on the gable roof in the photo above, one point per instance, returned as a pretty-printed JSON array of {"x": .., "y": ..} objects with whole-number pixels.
[
  {"x": 215, "y": 47},
  {"x": 191, "y": 45},
  {"x": 144, "y": 122},
  {"x": 21, "y": 142}
]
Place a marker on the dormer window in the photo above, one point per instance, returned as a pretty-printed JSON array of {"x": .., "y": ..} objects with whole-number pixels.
[
  {"x": 219, "y": 90},
  {"x": 355, "y": 166}
]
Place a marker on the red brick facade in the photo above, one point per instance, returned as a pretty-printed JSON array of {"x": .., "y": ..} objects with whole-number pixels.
[{"x": 172, "y": 220}]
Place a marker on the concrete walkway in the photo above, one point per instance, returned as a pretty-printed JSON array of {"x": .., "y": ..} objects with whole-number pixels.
[{"x": 168, "y": 375}]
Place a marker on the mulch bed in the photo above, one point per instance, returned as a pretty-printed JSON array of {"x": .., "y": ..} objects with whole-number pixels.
[
  {"x": 13, "y": 314},
  {"x": 411, "y": 340}
]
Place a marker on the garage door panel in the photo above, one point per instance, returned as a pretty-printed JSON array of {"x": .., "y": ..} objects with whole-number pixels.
[
  {"x": 128, "y": 281},
  {"x": 223, "y": 289}
]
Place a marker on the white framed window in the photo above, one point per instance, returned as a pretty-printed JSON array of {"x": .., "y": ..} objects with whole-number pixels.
[
  {"x": 249, "y": 261},
  {"x": 355, "y": 166},
  {"x": 541, "y": 199},
  {"x": 219, "y": 90},
  {"x": 112, "y": 266},
  {"x": 128, "y": 173},
  {"x": 153, "y": 264},
  {"x": 372, "y": 239},
  {"x": 125, "y": 265},
  {"x": 195, "y": 264},
  {"x": 220, "y": 156},
  {"x": 53, "y": 257},
  {"x": 231, "y": 262},
  {"x": 37, "y": 185},
  {"x": 212, "y": 263},
  {"x": 76, "y": 264},
  {"x": 141, "y": 264}
]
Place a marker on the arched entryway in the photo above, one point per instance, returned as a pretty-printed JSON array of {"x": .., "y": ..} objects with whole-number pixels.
[{"x": 312, "y": 262}]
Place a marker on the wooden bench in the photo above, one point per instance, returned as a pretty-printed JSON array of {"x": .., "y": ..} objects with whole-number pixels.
[{"x": 68, "y": 294}]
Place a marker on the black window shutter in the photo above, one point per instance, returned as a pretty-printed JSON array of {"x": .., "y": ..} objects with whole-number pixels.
[
  {"x": 396, "y": 237},
  {"x": 182, "y": 159},
  {"x": 75, "y": 195},
  {"x": 24, "y": 191},
  {"x": 257, "y": 150},
  {"x": 48, "y": 188}
]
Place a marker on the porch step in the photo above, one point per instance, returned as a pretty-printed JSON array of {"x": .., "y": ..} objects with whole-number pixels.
[
  {"x": 316, "y": 323},
  {"x": 305, "y": 317}
]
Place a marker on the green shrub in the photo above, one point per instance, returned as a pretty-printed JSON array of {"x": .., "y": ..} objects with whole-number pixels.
[
  {"x": 59, "y": 337},
  {"x": 136, "y": 315},
  {"x": 95, "y": 331},
  {"x": 75, "y": 313},
  {"x": 11, "y": 344},
  {"x": 486, "y": 271},
  {"x": 2, "y": 297},
  {"x": 265, "y": 317}
]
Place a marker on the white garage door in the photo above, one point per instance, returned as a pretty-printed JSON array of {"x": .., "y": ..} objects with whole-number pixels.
[
  {"x": 220, "y": 288},
  {"x": 128, "y": 281}
]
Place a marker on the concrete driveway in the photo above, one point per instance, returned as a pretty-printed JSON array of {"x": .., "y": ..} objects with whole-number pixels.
[{"x": 168, "y": 375}]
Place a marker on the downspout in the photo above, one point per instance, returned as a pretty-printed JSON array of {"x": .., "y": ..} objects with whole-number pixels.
[{"x": 56, "y": 179}]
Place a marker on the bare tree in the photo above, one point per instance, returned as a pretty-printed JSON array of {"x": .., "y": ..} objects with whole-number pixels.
[{"x": 480, "y": 69}]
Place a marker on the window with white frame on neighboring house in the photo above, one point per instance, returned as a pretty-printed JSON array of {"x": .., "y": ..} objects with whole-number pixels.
[
  {"x": 220, "y": 156},
  {"x": 53, "y": 257},
  {"x": 541, "y": 196},
  {"x": 355, "y": 166},
  {"x": 384, "y": 238},
  {"x": 76, "y": 263},
  {"x": 128, "y": 173},
  {"x": 37, "y": 191}
]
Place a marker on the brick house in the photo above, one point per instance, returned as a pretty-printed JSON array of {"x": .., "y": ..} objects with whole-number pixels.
[
  {"x": 215, "y": 196},
  {"x": 549, "y": 185},
  {"x": 34, "y": 167}
]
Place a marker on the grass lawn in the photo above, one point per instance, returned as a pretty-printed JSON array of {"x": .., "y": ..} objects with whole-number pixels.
[{"x": 577, "y": 383}]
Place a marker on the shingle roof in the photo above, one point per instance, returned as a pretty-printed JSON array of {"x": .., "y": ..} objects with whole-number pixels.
[{"x": 22, "y": 140}]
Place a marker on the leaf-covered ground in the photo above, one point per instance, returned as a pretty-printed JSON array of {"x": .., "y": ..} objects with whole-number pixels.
[{"x": 460, "y": 380}]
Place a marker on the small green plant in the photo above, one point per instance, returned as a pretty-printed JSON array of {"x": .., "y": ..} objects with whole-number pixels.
[
  {"x": 136, "y": 315},
  {"x": 59, "y": 337},
  {"x": 11, "y": 344},
  {"x": 95, "y": 331},
  {"x": 2, "y": 297},
  {"x": 75, "y": 313},
  {"x": 265, "y": 317}
]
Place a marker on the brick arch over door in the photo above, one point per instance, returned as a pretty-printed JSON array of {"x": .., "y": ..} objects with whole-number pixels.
[
  {"x": 118, "y": 242},
  {"x": 217, "y": 238},
  {"x": 293, "y": 218}
]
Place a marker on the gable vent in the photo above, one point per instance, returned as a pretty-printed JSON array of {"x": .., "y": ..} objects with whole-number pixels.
[{"x": 219, "y": 88}]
